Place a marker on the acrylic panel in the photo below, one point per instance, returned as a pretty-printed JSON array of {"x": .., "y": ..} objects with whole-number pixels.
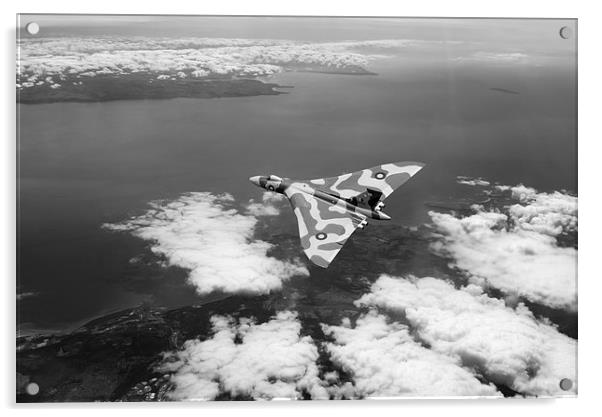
[{"x": 251, "y": 208}]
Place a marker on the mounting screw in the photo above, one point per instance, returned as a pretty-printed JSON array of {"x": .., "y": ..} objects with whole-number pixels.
[
  {"x": 32, "y": 28},
  {"x": 566, "y": 384}
]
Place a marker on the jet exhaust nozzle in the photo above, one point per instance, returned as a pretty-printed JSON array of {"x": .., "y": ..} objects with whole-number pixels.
[{"x": 382, "y": 215}]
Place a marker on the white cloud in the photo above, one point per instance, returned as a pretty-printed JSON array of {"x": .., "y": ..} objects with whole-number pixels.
[
  {"x": 267, "y": 207},
  {"x": 472, "y": 181},
  {"x": 547, "y": 213},
  {"x": 57, "y": 58},
  {"x": 385, "y": 361},
  {"x": 258, "y": 209},
  {"x": 273, "y": 198},
  {"x": 206, "y": 235},
  {"x": 516, "y": 251},
  {"x": 23, "y": 295},
  {"x": 509, "y": 346},
  {"x": 494, "y": 57},
  {"x": 245, "y": 359}
]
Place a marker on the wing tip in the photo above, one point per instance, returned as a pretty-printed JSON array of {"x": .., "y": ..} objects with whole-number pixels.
[
  {"x": 403, "y": 163},
  {"x": 416, "y": 166}
]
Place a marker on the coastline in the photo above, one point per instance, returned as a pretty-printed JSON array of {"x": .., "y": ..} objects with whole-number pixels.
[{"x": 102, "y": 89}]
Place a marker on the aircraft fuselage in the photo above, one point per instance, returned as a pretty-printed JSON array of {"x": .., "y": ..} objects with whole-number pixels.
[{"x": 280, "y": 185}]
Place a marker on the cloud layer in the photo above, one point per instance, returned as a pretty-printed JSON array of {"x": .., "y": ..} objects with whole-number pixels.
[
  {"x": 247, "y": 360},
  {"x": 52, "y": 61},
  {"x": 206, "y": 235},
  {"x": 516, "y": 251},
  {"x": 508, "y": 346},
  {"x": 498, "y": 58},
  {"x": 472, "y": 181},
  {"x": 385, "y": 361},
  {"x": 547, "y": 213}
]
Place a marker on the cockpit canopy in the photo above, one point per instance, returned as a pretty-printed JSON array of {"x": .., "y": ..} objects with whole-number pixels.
[{"x": 274, "y": 178}]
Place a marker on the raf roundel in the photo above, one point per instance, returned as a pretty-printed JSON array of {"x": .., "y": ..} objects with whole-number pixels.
[
  {"x": 321, "y": 236},
  {"x": 380, "y": 175}
]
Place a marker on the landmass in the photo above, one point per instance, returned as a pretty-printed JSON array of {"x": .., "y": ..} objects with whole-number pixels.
[
  {"x": 111, "y": 358},
  {"x": 117, "y": 357},
  {"x": 327, "y": 69},
  {"x": 150, "y": 85},
  {"x": 101, "y": 68},
  {"x": 143, "y": 87},
  {"x": 504, "y": 90}
]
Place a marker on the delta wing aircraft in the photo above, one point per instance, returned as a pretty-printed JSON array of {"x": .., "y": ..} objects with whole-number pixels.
[{"x": 329, "y": 210}]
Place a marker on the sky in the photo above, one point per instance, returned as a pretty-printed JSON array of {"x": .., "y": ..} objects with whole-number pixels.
[{"x": 493, "y": 31}]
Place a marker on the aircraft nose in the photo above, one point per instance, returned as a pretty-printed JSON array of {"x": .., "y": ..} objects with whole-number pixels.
[{"x": 255, "y": 180}]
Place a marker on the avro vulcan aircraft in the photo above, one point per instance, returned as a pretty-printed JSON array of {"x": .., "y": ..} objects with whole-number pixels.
[{"x": 329, "y": 210}]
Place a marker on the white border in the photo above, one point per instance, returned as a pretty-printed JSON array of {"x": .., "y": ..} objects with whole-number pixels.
[{"x": 589, "y": 199}]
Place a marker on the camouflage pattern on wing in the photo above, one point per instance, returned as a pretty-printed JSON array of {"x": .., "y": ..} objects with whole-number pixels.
[
  {"x": 384, "y": 178},
  {"x": 324, "y": 226}
]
